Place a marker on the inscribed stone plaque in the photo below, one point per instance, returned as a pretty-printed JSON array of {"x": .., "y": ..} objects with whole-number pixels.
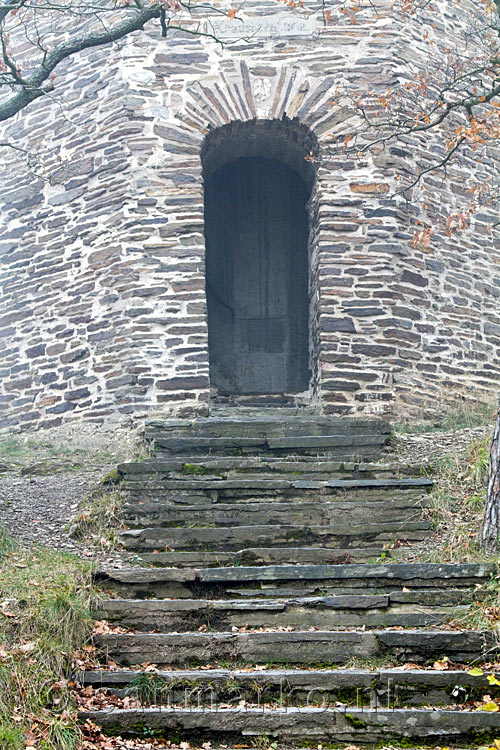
[{"x": 276, "y": 26}]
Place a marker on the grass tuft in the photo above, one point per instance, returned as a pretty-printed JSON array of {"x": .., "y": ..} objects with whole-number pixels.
[
  {"x": 464, "y": 416},
  {"x": 457, "y": 504},
  {"x": 46, "y": 617},
  {"x": 7, "y": 544},
  {"x": 455, "y": 508},
  {"x": 99, "y": 518},
  {"x": 11, "y": 737},
  {"x": 69, "y": 452}
]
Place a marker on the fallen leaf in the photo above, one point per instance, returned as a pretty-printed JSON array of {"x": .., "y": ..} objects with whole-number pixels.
[
  {"x": 490, "y": 706},
  {"x": 27, "y": 648}
]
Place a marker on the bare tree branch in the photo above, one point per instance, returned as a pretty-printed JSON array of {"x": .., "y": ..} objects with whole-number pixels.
[{"x": 38, "y": 83}]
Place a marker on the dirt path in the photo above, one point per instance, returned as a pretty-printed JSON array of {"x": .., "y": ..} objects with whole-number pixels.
[
  {"x": 44, "y": 477},
  {"x": 37, "y": 508},
  {"x": 428, "y": 446}
]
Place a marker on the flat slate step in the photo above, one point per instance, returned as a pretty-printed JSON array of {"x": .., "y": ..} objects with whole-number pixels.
[
  {"x": 298, "y": 724},
  {"x": 356, "y": 497},
  {"x": 400, "y": 483},
  {"x": 262, "y": 426},
  {"x": 270, "y": 465},
  {"x": 304, "y": 648},
  {"x": 342, "y": 446},
  {"x": 261, "y": 556},
  {"x": 384, "y": 688},
  {"x": 235, "y": 538},
  {"x": 403, "y": 609},
  {"x": 394, "y": 571},
  {"x": 332, "y": 440},
  {"x": 196, "y": 487},
  {"x": 318, "y": 513},
  {"x": 256, "y": 482},
  {"x": 271, "y": 580},
  {"x": 282, "y": 435},
  {"x": 352, "y": 502}
]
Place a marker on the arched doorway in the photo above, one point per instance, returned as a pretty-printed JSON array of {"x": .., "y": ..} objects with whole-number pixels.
[{"x": 257, "y": 268}]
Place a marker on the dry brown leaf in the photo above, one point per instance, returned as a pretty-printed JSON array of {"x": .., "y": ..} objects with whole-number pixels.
[{"x": 30, "y": 739}]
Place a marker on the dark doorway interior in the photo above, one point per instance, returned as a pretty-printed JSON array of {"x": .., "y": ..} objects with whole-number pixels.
[{"x": 256, "y": 230}]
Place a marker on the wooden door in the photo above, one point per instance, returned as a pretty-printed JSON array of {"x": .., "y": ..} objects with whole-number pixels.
[{"x": 257, "y": 278}]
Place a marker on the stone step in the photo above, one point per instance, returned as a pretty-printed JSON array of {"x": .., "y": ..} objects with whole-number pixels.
[
  {"x": 384, "y": 688},
  {"x": 235, "y": 538},
  {"x": 232, "y": 467},
  {"x": 262, "y": 426},
  {"x": 266, "y": 519},
  {"x": 311, "y": 648},
  {"x": 318, "y": 513},
  {"x": 224, "y": 407},
  {"x": 260, "y": 556},
  {"x": 339, "y": 446},
  {"x": 331, "y": 486},
  {"x": 296, "y": 724},
  {"x": 276, "y": 580},
  {"x": 413, "y": 609},
  {"x": 348, "y": 501},
  {"x": 353, "y": 495}
]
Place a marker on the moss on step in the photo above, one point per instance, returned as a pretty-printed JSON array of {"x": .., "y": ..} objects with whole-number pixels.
[
  {"x": 111, "y": 479},
  {"x": 295, "y": 534},
  {"x": 200, "y": 470},
  {"x": 355, "y": 722}
]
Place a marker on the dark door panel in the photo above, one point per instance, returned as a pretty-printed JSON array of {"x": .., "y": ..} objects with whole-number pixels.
[{"x": 257, "y": 277}]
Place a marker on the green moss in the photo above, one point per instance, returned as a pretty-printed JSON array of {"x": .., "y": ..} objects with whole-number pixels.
[
  {"x": 113, "y": 478},
  {"x": 248, "y": 558},
  {"x": 199, "y": 470},
  {"x": 175, "y": 736},
  {"x": 483, "y": 738},
  {"x": 355, "y": 722},
  {"x": 195, "y": 469},
  {"x": 295, "y": 534},
  {"x": 353, "y": 695},
  {"x": 406, "y": 742}
]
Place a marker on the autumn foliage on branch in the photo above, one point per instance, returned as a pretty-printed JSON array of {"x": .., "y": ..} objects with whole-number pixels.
[{"x": 449, "y": 99}]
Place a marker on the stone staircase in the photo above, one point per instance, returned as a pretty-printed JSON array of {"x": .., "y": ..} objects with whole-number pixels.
[{"x": 266, "y": 601}]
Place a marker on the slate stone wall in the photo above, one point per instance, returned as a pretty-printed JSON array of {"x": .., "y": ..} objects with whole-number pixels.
[{"x": 103, "y": 308}]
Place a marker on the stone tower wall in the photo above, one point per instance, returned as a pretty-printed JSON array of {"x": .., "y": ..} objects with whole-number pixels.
[{"x": 103, "y": 308}]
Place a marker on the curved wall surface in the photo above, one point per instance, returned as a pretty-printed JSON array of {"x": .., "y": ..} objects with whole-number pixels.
[{"x": 103, "y": 312}]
